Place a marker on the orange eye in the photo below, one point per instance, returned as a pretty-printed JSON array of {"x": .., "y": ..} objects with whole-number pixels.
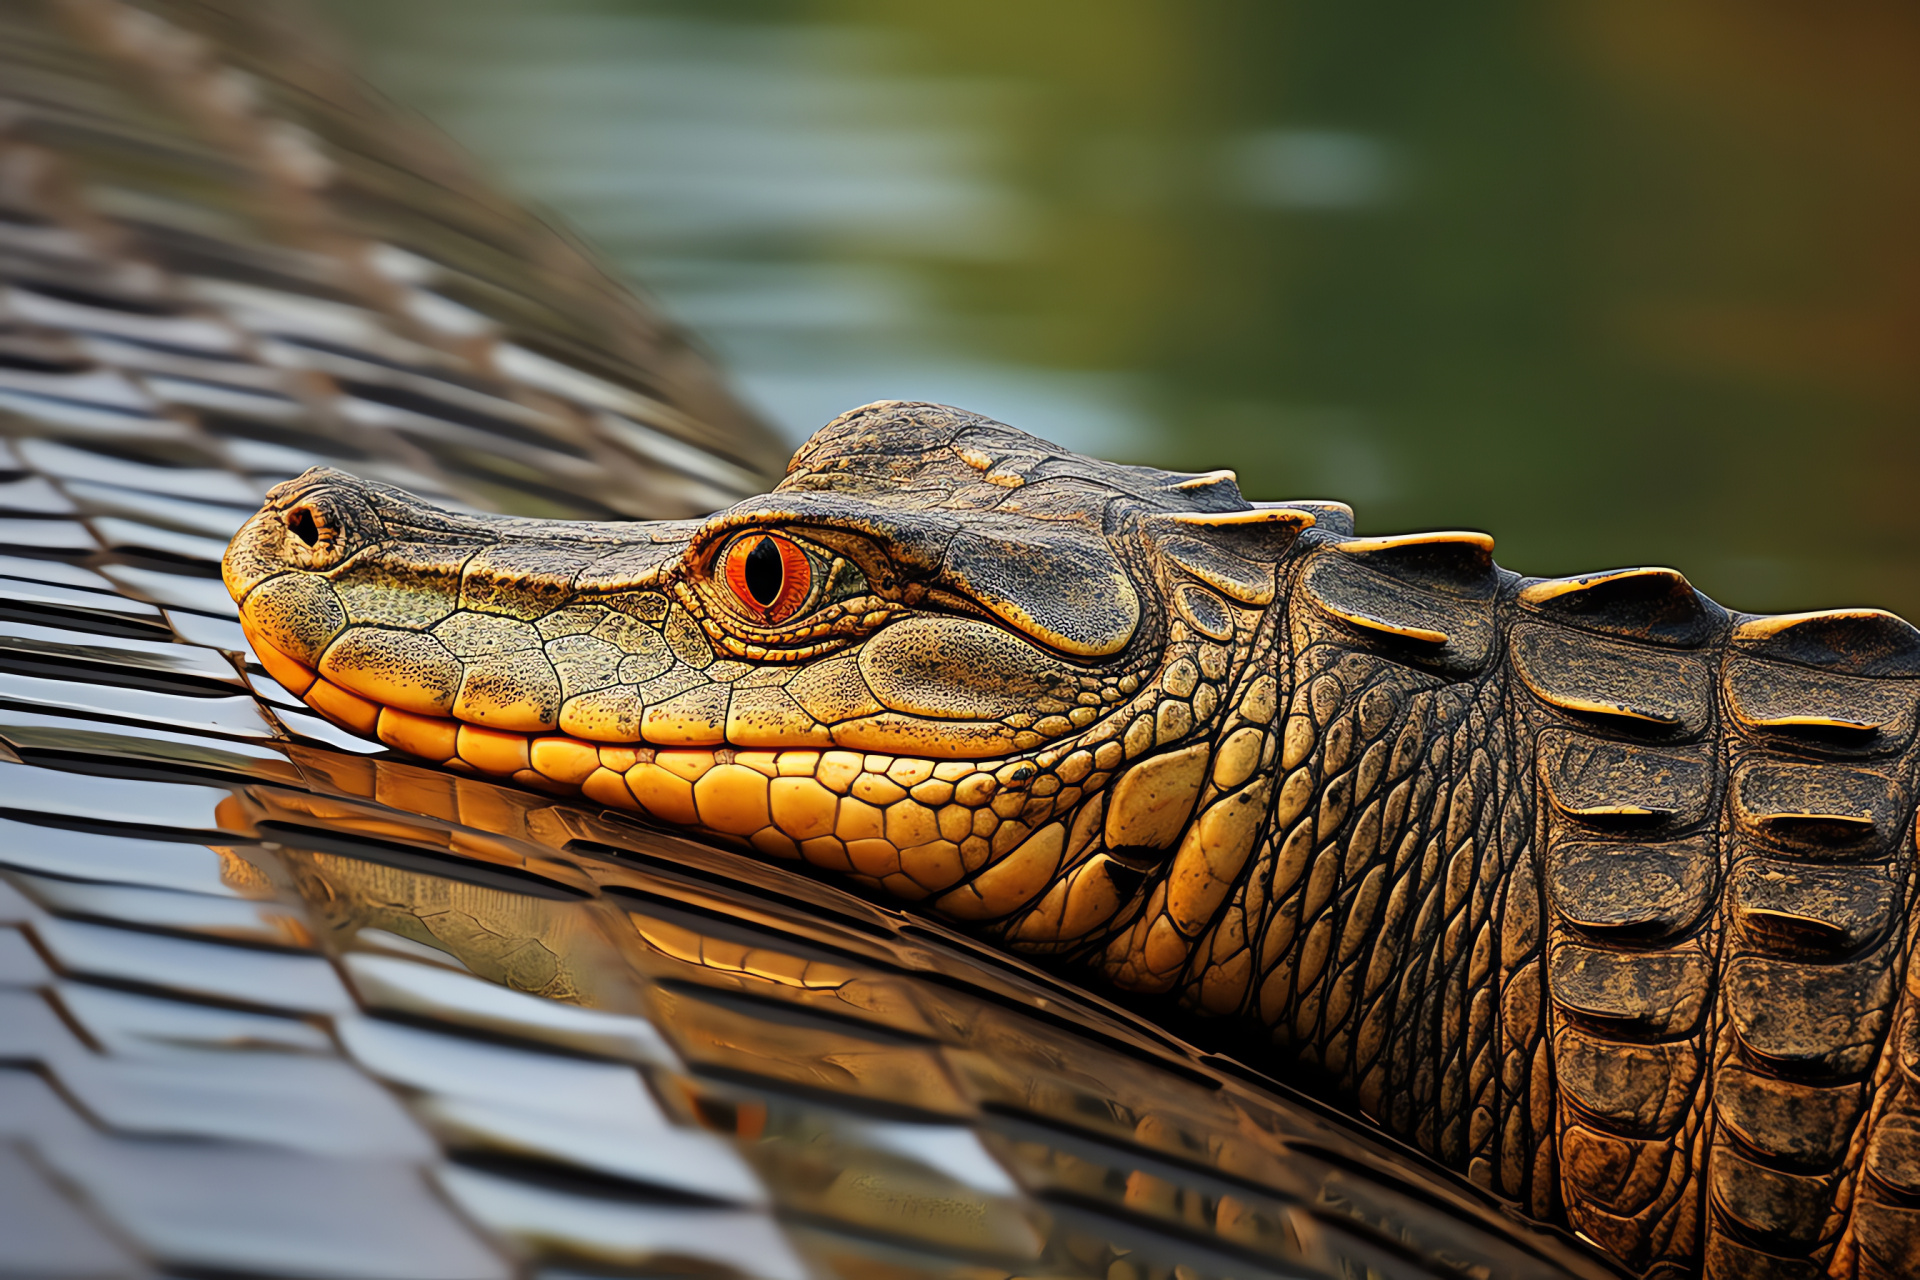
[{"x": 768, "y": 575}]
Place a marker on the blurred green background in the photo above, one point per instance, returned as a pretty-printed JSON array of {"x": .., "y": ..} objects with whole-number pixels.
[{"x": 1621, "y": 281}]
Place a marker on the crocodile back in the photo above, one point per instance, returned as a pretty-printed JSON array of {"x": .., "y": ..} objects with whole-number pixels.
[{"x": 1602, "y": 894}]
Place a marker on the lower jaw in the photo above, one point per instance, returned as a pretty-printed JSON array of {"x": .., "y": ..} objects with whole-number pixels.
[{"x": 914, "y": 828}]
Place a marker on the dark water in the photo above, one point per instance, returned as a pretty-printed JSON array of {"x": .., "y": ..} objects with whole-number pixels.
[{"x": 1621, "y": 282}]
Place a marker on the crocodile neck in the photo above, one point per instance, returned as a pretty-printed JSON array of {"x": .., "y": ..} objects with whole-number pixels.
[{"x": 1362, "y": 834}]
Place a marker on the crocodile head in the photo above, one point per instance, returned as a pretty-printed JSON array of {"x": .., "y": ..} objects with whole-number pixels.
[{"x": 942, "y": 656}]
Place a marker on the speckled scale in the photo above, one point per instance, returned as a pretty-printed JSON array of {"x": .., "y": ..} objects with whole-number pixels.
[
  {"x": 1775, "y": 1207},
  {"x": 1635, "y": 1090},
  {"x": 1810, "y": 1020},
  {"x": 1830, "y": 811},
  {"x": 1627, "y": 890},
  {"x": 1857, "y": 642},
  {"x": 1608, "y": 784},
  {"x": 1803, "y": 1124},
  {"x": 1810, "y": 909},
  {"x": 1886, "y": 1239},
  {"x": 1653, "y": 994},
  {"x": 1792, "y": 706}
]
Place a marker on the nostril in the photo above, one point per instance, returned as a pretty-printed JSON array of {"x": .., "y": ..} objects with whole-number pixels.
[{"x": 301, "y": 524}]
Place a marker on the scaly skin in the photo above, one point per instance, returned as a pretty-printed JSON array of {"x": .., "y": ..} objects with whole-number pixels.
[{"x": 1593, "y": 891}]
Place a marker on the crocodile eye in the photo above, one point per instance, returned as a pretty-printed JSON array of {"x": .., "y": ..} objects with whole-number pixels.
[{"x": 768, "y": 575}]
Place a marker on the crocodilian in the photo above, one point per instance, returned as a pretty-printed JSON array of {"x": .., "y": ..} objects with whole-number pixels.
[{"x": 1586, "y": 886}]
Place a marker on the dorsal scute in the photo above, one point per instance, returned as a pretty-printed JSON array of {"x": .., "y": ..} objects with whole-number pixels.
[
  {"x": 1651, "y": 604},
  {"x": 1453, "y": 562},
  {"x": 1630, "y": 688},
  {"x": 1331, "y": 517},
  {"x": 1247, "y": 582},
  {"x": 1609, "y": 785},
  {"x": 1818, "y": 710},
  {"x": 1232, "y": 551},
  {"x": 1264, "y": 532},
  {"x": 1860, "y": 642},
  {"x": 1187, "y": 483},
  {"x": 1425, "y": 598},
  {"x": 1647, "y": 890}
]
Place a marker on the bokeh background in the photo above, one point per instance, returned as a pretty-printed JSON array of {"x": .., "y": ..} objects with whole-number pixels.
[{"x": 1621, "y": 281}]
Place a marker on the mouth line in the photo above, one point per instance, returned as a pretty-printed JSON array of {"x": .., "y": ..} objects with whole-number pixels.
[{"x": 915, "y": 826}]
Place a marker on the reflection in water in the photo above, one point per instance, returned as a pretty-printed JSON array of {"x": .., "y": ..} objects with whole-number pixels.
[
  {"x": 613, "y": 1048},
  {"x": 1621, "y": 285}
]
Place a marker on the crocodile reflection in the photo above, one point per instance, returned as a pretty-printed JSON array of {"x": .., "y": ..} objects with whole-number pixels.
[{"x": 791, "y": 1050}]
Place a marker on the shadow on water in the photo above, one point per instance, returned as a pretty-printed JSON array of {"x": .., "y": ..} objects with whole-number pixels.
[{"x": 1620, "y": 283}]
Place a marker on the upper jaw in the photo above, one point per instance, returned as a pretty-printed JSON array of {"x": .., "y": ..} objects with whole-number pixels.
[{"x": 297, "y": 599}]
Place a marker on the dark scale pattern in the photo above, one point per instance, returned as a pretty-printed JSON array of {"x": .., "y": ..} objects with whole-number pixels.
[
  {"x": 1626, "y": 966},
  {"x": 1820, "y": 875},
  {"x": 1384, "y": 960}
]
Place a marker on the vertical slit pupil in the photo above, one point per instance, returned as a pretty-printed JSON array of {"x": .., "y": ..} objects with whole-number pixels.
[{"x": 766, "y": 572}]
